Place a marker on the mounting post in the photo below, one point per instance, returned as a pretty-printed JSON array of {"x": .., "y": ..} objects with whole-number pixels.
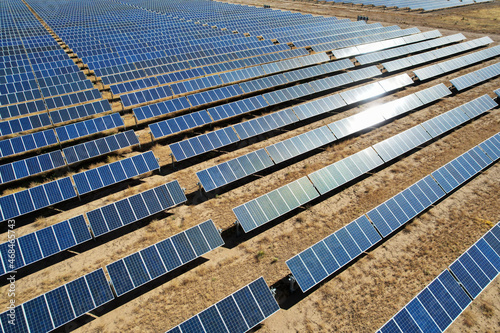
[
  {"x": 135, "y": 118},
  {"x": 139, "y": 141},
  {"x": 199, "y": 187},
  {"x": 152, "y": 138},
  {"x": 173, "y": 162},
  {"x": 293, "y": 283},
  {"x": 238, "y": 227},
  {"x": 273, "y": 291},
  {"x": 78, "y": 194},
  {"x": 159, "y": 166}
]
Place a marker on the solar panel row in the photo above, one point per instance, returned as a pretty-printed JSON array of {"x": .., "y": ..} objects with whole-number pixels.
[
  {"x": 238, "y": 168},
  {"x": 89, "y": 127},
  {"x": 38, "y": 197},
  {"x": 390, "y": 43},
  {"x": 100, "y": 146},
  {"x": 241, "y": 106},
  {"x": 444, "y": 52},
  {"x": 447, "y": 296},
  {"x": 112, "y": 173},
  {"x": 364, "y": 39},
  {"x": 31, "y": 166},
  {"x": 61, "y": 305},
  {"x": 316, "y": 263},
  {"x": 168, "y": 88},
  {"x": 457, "y": 63},
  {"x": 34, "y": 165},
  {"x": 253, "y": 214},
  {"x": 146, "y": 265},
  {"x": 397, "y": 52},
  {"x": 479, "y": 76},
  {"x": 185, "y": 149},
  {"x": 118, "y": 214},
  {"x": 238, "y": 312},
  {"x": 24, "y": 124},
  {"x": 27, "y": 142},
  {"x": 44, "y": 243}
]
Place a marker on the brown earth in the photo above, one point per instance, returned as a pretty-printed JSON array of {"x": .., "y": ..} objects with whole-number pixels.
[{"x": 359, "y": 299}]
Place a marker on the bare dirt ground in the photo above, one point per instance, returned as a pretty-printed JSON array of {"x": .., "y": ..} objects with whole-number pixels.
[{"x": 362, "y": 297}]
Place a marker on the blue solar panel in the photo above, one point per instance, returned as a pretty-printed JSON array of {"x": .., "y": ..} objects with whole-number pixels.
[
  {"x": 80, "y": 111},
  {"x": 203, "y": 143},
  {"x": 27, "y": 142},
  {"x": 48, "y": 241},
  {"x": 134, "y": 208},
  {"x": 276, "y": 203},
  {"x": 238, "y": 312},
  {"x": 89, "y": 127},
  {"x": 233, "y": 170},
  {"x": 35, "y": 198},
  {"x": 445, "y": 298},
  {"x": 143, "y": 266},
  {"x": 100, "y": 146},
  {"x": 31, "y": 166},
  {"x": 341, "y": 172},
  {"x": 103, "y": 176},
  {"x": 61, "y": 305}
]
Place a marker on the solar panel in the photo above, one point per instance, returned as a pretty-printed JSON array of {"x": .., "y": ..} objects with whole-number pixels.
[
  {"x": 181, "y": 123},
  {"x": 345, "y": 170},
  {"x": 431, "y": 94},
  {"x": 232, "y": 170},
  {"x": 94, "y": 179},
  {"x": 57, "y": 102},
  {"x": 316, "y": 263},
  {"x": 447, "y": 296},
  {"x": 401, "y": 143},
  {"x": 31, "y": 166},
  {"x": 451, "y": 119},
  {"x": 45, "y": 243},
  {"x": 276, "y": 203},
  {"x": 203, "y": 143},
  {"x": 24, "y": 124},
  {"x": 479, "y": 76},
  {"x": 100, "y": 146},
  {"x": 409, "y": 49},
  {"x": 28, "y": 142},
  {"x": 89, "y": 127},
  {"x": 134, "y": 208},
  {"x": 300, "y": 144},
  {"x": 238, "y": 312},
  {"x": 153, "y": 110},
  {"x": 457, "y": 63},
  {"x": 38, "y": 197},
  {"x": 458, "y": 171},
  {"x": 158, "y": 259},
  {"x": 61, "y": 305},
  {"x": 319, "y": 261},
  {"x": 358, "y": 122},
  {"x": 80, "y": 111},
  {"x": 361, "y": 93},
  {"x": 396, "y": 82}
]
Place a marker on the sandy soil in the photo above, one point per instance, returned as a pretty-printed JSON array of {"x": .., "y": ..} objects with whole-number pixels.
[{"x": 360, "y": 298}]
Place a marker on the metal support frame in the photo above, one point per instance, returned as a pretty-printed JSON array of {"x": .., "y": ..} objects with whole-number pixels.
[
  {"x": 238, "y": 227},
  {"x": 293, "y": 283}
]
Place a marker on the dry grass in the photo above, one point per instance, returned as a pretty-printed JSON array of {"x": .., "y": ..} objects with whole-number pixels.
[
  {"x": 487, "y": 309},
  {"x": 469, "y": 319}
]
